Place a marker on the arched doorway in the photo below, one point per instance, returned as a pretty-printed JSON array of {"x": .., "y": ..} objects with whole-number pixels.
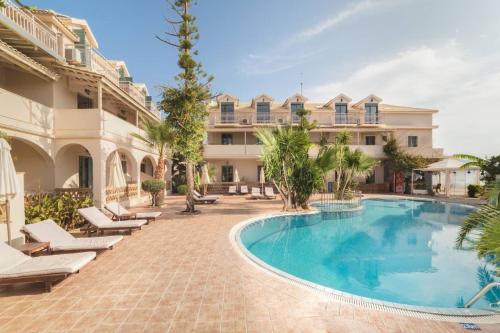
[
  {"x": 74, "y": 167},
  {"x": 37, "y": 165},
  {"x": 148, "y": 166}
]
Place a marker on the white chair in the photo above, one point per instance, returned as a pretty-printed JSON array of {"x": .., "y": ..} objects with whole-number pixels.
[
  {"x": 256, "y": 193},
  {"x": 269, "y": 193},
  {"x": 232, "y": 190},
  {"x": 16, "y": 267},
  {"x": 121, "y": 213},
  {"x": 98, "y": 221},
  {"x": 62, "y": 241},
  {"x": 244, "y": 189}
]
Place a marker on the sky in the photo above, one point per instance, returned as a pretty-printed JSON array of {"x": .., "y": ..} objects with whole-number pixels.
[{"x": 442, "y": 54}]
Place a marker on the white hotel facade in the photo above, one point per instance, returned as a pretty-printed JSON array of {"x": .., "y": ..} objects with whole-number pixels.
[
  {"x": 231, "y": 143},
  {"x": 67, "y": 109}
]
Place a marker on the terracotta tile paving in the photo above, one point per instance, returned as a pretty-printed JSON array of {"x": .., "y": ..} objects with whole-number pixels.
[{"x": 181, "y": 274}]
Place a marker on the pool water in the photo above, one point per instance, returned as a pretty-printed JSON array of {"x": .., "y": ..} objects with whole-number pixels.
[{"x": 400, "y": 251}]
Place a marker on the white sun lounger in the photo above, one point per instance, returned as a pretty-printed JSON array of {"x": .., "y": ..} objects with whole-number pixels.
[
  {"x": 16, "y": 267},
  {"x": 62, "y": 241},
  {"x": 205, "y": 198},
  {"x": 121, "y": 213},
  {"x": 100, "y": 222},
  {"x": 269, "y": 193},
  {"x": 232, "y": 189},
  {"x": 256, "y": 193},
  {"x": 244, "y": 189}
]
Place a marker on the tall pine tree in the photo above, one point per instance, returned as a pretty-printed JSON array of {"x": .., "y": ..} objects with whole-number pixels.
[{"x": 185, "y": 104}]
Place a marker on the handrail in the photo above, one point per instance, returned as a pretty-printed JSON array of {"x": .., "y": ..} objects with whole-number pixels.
[
  {"x": 481, "y": 293},
  {"x": 31, "y": 24}
]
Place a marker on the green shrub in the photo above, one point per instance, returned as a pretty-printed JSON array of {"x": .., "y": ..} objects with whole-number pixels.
[
  {"x": 182, "y": 189},
  {"x": 153, "y": 187},
  {"x": 61, "y": 208},
  {"x": 473, "y": 190}
]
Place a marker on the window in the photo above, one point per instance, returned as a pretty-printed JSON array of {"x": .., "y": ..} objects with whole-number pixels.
[
  {"x": 257, "y": 141},
  {"x": 263, "y": 112},
  {"x": 341, "y": 113},
  {"x": 371, "y": 115},
  {"x": 124, "y": 166},
  {"x": 227, "y": 173},
  {"x": 227, "y": 112},
  {"x": 294, "y": 107},
  {"x": 85, "y": 171},
  {"x": 370, "y": 140},
  {"x": 412, "y": 141},
  {"x": 83, "y": 102},
  {"x": 341, "y": 108},
  {"x": 227, "y": 139}
]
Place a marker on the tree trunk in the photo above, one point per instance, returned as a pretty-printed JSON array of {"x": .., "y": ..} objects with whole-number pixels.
[
  {"x": 190, "y": 208},
  {"x": 160, "y": 175}
]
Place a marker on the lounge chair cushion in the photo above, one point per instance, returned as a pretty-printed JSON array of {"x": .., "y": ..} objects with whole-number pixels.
[
  {"x": 97, "y": 218},
  {"x": 269, "y": 192},
  {"x": 61, "y": 240},
  {"x": 45, "y": 265},
  {"x": 20, "y": 265},
  {"x": 198, "y": 196},
  {"x": 118, "y": 210}
]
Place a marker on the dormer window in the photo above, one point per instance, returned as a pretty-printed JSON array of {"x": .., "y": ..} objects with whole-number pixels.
[
  {"x": 263, "y": 112},
  {"x": 341, "y": 113},
  {"x": 371, "y": 113},
  {"x": 294, "y": 107},
  {"x": 227, "y": 112}
]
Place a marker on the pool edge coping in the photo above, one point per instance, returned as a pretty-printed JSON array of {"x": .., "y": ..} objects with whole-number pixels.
[{"x": 422, "y": 312}]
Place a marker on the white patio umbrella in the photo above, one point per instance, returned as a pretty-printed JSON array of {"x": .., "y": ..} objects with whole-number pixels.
[
  {"x": 116, "y": 175},
  {"x": 236, "y": 178},
  {"x": 205, "y": 178},
  {"x": 262, "y": 178},
  {"x": 9, "y": 186}
]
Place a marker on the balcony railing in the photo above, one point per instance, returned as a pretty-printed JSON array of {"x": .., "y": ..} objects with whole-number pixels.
[
  {"x": 101, "y": 65},
  {"x": 346, "y": 119},
  {"x": 371, "y": 118},
  {"x": 133, "y": 91},
  {"x": 33, "y": 26}
]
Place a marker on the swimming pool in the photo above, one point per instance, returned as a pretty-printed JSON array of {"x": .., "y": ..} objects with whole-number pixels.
[{"x": 399, "y": 251}]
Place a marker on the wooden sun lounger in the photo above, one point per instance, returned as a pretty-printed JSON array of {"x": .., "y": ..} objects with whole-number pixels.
[
  {"x": 121, "y": 213},
  {"x": 62, "y": 241},
  {"x": 16, "y": 267},
  {"x": 99, "y": 222}
]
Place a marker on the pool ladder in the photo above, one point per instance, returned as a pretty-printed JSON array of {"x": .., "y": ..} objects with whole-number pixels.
[{"x": 481, "y": 293}]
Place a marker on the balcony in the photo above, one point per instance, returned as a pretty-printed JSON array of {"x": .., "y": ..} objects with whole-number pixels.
[
  {"x": 254, "y": 151},
  {"x": 134, "y": 92},
  {"x": 22, "y": 26},
  {"x": 231, "y": 151},
  {"x": 23, "y": 114},
  {"x": 322, "y": 118},
  {"x": 89, "y": 123},
  {"x": 99, "y": 64}
]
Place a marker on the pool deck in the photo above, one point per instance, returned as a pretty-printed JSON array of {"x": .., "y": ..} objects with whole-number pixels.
[{"x": 182, "y": 274}]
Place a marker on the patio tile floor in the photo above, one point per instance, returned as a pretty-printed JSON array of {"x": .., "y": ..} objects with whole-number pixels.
[{"x": 181, "y": 274}]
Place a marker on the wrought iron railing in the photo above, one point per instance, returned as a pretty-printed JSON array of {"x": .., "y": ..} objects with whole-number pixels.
[{"x": 330, "y": 203}]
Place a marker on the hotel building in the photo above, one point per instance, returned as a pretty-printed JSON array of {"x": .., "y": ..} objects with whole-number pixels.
[
  {"x": 231, "y": 143},
  {"x": 67, "y": 109}
]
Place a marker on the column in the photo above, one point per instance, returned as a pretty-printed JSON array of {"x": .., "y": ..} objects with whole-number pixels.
[
  {"x": 99, "y": 177},
  {"x": 99, "y": 105}
]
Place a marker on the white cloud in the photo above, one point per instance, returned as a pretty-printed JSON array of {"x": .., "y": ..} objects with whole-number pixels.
[
  {"x": 463, "y": 87},
  {"x": 284, "y": 56}
]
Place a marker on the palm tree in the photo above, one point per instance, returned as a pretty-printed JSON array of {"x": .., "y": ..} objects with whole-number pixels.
[
  {"x": 490, "y": 167},
  {"x": 357, "y": 164},
  {"x": 159, "y": 136},
  {"x": 484, "y": 227}
]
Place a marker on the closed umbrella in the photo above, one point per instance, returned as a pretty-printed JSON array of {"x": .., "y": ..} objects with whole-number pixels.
[
  {"x": 116, "y": 176},
  {"x": 205, "y": 178},
  {"x": 9, "y": 186},
  {"x": 236, "y": 178},
  {"x": 262, "y": 178}
]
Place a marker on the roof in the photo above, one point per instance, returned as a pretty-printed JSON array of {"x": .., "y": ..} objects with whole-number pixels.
[
  {"x": 397, "y": 108},
  {"x": 447, "y": 164}
]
